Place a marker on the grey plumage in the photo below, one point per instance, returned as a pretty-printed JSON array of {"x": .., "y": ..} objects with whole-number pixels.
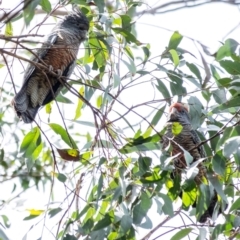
[
  {"x": 187, "y": 139},
  {"x": 59, "y": 53}
]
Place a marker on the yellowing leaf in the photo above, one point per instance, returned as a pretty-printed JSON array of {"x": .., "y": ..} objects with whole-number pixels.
[
  {"x": 78, "y": 112},
  {"x": 176, "y": 128},
  {"x": 73, "y": 152},
  {"x": 69, "y": 154},
  {"x": 147, "y": 132},
  {"x": 169, "y": 183},
  {"x": 175, "y": 57},
  {"x": 48, "y": 107},
  {"x": 86, "y": 156},
  {"x": 35, "y": 212},
  {"x": 117, "y": 21},
  {"x": 99, "y": 101},
  {"x": 9, "y": 29}
]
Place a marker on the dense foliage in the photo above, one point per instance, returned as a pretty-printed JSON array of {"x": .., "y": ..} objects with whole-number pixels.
[{"x": 100, "y": 139}]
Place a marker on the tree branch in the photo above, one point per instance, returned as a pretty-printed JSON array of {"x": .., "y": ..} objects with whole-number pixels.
[{"x": 177, "y": 5}]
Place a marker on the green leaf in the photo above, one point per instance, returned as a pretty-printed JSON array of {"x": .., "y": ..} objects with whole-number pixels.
[
  {"x": 54, "y": 212},
  {"x": 161, "y": 87},
  {"x": 151, "y": 177},
  {"x": 196, "y": 111},
  {"x": 69, "y": 237},
  {"x": 219, "y": 95},
  {"x": 158, "y": 116},
  {"x": 61, "y": 177},
  {"x": 220, "y": 229},
  {"x": 224, "y": 82},
  {"x": 147, "y": 224},
  {"x": 99, "y": 50},
  {"x": 230, "y": 104},
  {"x": 146, "y": 52},
  {"x": 231, "y": 67},
  {"x": 130, "y": 38},
  {"x": 106, "y": 221},
  {"x": 129, "y": 52},
  {"x": 139, "y": 148},
  {"x": 64, "y": 135},
  {"x": 29, "y": 11},
  {"x": 84, "y": 210},
  {"x": 126, "y": 22},
  {"x": 218, "y": 186},
  {"x": 126, "y": 223},
  {"x": 46, "y": 5},
  {"x": 98, "y": 235},
  {"x": 30, "y": 143},
  {"x": 168, "y": 205},
  {"x": 141, "y": 209},
  {"x": 100, "y": 4},
  {"x": 219, "y": 163},
  {"x": 130, "y": 65},
  {"x": 175, "y": 40},
  {"x": 9, "y": 29},
  {"x": 234, "y": 87},
  {"x": 214, "y": 72},
  {"x": 144, "y": 164},
  {"x": 181, "y": 234},
  {"x": 203, "y": 200},
  {"x": 62, "y": 99},
  {"x": 116, "y": 80},
  {"x": 37, "y": 151},
  {"x": 147, "y": 133},
  {"x": 175, "y": 57},
  {"x": 176, "y": 84},
  {"x": 5, "y": 221},
  {"x": 87, "y": 226},
  {"x": 194, "y": 69},
  {"x": 30, "y": 217},
  {"x": 235, "y": 205},
  {"x": 231, "y": 146},
  {"x": 227, "y": 49}
]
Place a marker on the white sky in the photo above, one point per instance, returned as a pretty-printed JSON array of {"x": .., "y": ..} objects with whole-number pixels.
[{"x": 208, "y": 23}]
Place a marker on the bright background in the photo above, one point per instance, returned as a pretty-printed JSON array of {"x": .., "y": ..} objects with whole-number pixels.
[{"x": 210, "y": 24}]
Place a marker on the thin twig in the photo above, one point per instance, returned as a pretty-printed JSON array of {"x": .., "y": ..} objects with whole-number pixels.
[{"x": 146, "y": 237}]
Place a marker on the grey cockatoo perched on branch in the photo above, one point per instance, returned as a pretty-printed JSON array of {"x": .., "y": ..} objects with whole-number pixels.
[
  {"x": 187, "y": 139},
  {"x": 59, "y": 53}
]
